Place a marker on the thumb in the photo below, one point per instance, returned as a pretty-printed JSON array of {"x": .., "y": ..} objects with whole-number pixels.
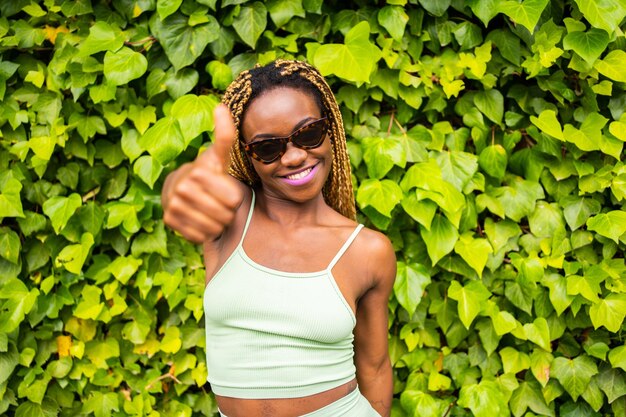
[{"x": 224, "y": 136}]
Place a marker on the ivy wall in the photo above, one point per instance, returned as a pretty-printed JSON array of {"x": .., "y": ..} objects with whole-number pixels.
[{"x": 487, "y": 142}]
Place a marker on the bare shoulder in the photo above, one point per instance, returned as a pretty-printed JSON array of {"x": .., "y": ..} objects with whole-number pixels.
[{"x": 380, "y": 257}]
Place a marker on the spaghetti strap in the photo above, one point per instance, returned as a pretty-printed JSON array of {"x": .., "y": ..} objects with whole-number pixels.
[
  {"x": 245, "y": 228},
  {"x": 345, "y": 247}
]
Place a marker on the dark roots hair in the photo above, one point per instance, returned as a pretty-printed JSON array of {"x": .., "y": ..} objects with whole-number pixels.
[{"x": 337, "y": 191}]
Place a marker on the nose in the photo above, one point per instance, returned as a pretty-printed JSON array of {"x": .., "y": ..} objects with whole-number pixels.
[{"x": 293, "y": 156}]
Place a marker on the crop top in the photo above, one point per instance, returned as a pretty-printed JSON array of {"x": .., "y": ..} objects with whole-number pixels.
[{"x": 275, "y": 334}]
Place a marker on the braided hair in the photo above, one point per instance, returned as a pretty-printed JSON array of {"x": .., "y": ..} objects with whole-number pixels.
[{"x": 250, "y": 84}]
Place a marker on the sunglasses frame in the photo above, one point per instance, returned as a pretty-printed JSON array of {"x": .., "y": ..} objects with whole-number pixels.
[{"x": 284, "y": 140}]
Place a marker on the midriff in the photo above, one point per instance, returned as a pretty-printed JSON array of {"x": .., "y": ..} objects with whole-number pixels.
[{"x": 282, "y": 407}]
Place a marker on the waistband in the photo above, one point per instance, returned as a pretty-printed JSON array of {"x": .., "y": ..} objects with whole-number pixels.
[{"x": 353, "y": 404}]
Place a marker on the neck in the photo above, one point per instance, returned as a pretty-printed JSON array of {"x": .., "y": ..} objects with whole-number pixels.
[{"x": 287, "y": 212}]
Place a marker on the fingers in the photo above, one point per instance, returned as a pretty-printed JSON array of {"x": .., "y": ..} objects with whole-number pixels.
[
  {"x": 203, "y": 204},
  {"x": 204, "y": 198}
]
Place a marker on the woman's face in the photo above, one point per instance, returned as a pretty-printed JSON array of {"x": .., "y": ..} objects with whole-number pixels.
[{"x": 298, "y": 175}]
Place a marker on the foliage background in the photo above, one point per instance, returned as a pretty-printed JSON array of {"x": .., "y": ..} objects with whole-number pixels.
[{"x": 487, "y": 140}]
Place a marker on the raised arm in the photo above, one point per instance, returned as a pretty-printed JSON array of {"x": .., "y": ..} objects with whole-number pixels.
[
  {"x": 373, "y": 366},
  {"x": 200, "y": 199}
]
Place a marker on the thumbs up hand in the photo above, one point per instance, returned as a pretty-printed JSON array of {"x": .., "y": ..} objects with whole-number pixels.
[{"x": 200, "y": 199}]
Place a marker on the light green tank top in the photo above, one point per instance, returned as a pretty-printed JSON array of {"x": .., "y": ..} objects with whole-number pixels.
[{"x": 275, "y": 334}]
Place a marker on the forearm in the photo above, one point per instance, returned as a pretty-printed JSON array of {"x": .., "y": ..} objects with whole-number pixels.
[{"x": 377, "y": 386}]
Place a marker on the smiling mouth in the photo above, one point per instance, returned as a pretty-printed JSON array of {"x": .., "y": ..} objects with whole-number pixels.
[{"x": 299, "y": 175}]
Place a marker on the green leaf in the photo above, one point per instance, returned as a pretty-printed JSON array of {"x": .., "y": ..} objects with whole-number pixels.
[
  {"x": 10, "y": 200},
  {"x": 526, "y": 13},
  {"x": 589, "y": 45},
  {"x": 469, "y": 299},
  {"x": 148, "y": 169},
  {"x": 609, "y": 312},
  {"x": 491, "y": 104},
  {"x": 422, "y": 211},
  {"x": 142, "y": 117},
  {"x": 164, "y": 140},
  {"x": 518, "y": 199},
  {"x": 181, "y": 82},
  {"x": 612, "y": 66},
  {"x": 47, "y": 408},
  {"x": 167, "y": 7},
  {"x": 574, "y": 374},
  {"x": 440, "y": 239},
  {"x": 548, "y": 124},
  {"x": 514, "y": 361},
  {"x": 493, "y": 160},
  {"x": 394, "y": 20},
  {"x": 124, "y": 214},
  {"x": 411, "y": 280},
  {"x": 282, "y": 11},
  {"x": 617, "y": 357},
  {"x": 559, "y": 297},
  {"x": 101, "y": 405},
  {"x": 381, "y": 154},
  {"x": 618, "y": 129},
  {"x": 546, "y": 220},
  {"x": 420, "y": 403},
  {"x": 124, "y": 66},
  {"x": 578, "y": 210},
  {"x": 507, "y": 43},
  {"x": 136, "y": 331},
  {"x": 102, "y": 37},
  {"x": 124, "y": 267},
  {"x": 171, "y": 341},
  {"x": 457, "y": 168},
  {"x": 251, "y": 22},
  {"x": 528, "y": 396},
  {"x": 611, "y": 224},
  {"x": 19, "y": 302},
  {"x": 60, "y": 209},
  {"x": 382, "y": 195},
  {"x": 155, "y": 242},
  {"x": 427, "y": 177},
  {"x": 538, "y": 332},
  {"x": 182, "y": 43},
  {"x": 603, "y": 14},
  {"x": 8, "y": 362},
  {"x": 194, "y": 115},
  {"x": 221, "y": 74},
  {"x": 585, "y": 286},
  {"x": 484, "y": 399},
  {"x": 98, "y": 351},
  {"x": 485, "y": 10},
  {"x": 168, "y": 282},
  {"x": 354, "y": 60},
  {"x": 10, "y": 245},
  {"x": 613, "y": 383},
  {"x": 473, "y": 251},
  {"x": 540, "y": 362},
  {"x": 499, "y": 233},
  {"x": 435, "y": 7},
  {"x": 72, "y": 257}
]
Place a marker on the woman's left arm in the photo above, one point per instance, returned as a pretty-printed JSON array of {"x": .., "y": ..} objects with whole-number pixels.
[{"x": 371, "y": 352}]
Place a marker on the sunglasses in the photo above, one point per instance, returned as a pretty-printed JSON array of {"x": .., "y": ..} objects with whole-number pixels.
[{"x": 309, "y": 136}]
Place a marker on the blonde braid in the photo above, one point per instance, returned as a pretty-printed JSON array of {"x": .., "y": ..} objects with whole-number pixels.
[
  {"x": 236, "y": 98},
  {"x": 338, "y": 191}
]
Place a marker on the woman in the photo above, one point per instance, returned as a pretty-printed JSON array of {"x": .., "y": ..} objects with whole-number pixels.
[{"x": 297, "y": 291}]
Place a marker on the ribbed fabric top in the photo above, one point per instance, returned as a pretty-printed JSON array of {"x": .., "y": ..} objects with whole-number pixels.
[{"x": 275, "y": 334}]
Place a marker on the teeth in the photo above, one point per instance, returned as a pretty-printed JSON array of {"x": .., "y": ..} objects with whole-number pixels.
[{"x": 299, "y": 175}]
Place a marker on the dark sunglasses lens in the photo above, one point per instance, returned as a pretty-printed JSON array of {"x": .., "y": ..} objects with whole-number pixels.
[
  {"x": 268, "y": 150},
  {"x": 310, "y": 137}
]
